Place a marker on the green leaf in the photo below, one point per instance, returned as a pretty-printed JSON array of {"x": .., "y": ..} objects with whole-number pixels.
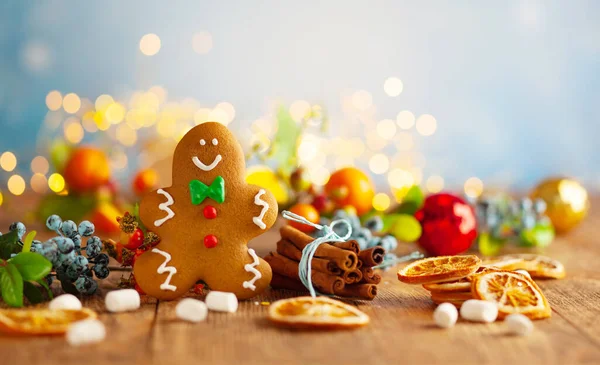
[
  {"x": 412, "y": 201},
  {"x": 285, "y": 142},
  {"x": 43, "y": 283},
  {"x": 31, "y": 265},
  {"x": 406, "y": 228},
  {"x": 28, "y": 241},
  {"x": 68, "y": 207},
  {"x": 488, "y": 245},
  {"x": 538, "y": 236},
  {"x": 9, "y": 244},
  {"x": 32, "y": 293},
  {"x": 67, "y": 285},
  {"x": 11, "y": 283}
]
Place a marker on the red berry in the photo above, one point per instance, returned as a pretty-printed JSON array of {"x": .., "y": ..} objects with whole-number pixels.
[
  {"x": 210, "y": 212},
  {"x": 210, "y": 241},
  {"x": 320, "y": 202},
  {"x": 449, "y": 225},
  {"x": 198, "y": 288},
  {"x": 134, "y": 240}
]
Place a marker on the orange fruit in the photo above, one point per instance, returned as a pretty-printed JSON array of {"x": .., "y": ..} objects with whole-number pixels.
[
  {"x": 320, "y": 312},
  {"x": 351, "y": 186},
  {"x": 439, "y": 269},
  {"x": 41, "y": 321},
  {"x": 86, "y": 170},
  {"x": 538, "y": 266},
  {"x": 307, "y": 211},
  {"x": 460, "y": 285},
  {"x": 144, "y": 181},
  {"x": 513, "y": 292}
]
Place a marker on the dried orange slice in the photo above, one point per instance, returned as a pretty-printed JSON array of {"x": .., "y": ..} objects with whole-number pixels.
[
  {"x": 41, "y": 321},
  {"x": 451, "y": 297},
  {"x": 457, "y": 286},
  {"x": 439, "y": 269},
  {"x": 514, "y": 293},
  {"x": 538, "y": 266},
  {"x": 320, "y": 312}
]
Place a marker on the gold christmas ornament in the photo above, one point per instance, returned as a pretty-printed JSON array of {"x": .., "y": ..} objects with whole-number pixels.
[{"x": 567, "y": 201}]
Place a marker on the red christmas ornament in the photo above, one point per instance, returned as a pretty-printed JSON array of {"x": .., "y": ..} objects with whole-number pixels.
[{"x": 449, "y": 225}]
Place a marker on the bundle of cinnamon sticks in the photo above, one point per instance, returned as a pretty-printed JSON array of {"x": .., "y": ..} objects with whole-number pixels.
[{"x": 338, "y": 268}]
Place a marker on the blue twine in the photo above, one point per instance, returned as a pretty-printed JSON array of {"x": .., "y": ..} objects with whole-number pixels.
[
  {"x": 305, "y": 266},
  {"x": 387, "y": 263}
]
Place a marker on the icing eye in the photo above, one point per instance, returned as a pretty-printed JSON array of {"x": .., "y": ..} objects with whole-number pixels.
[
  {"x": 202, "y": 142},
  {"x": 215, "y": 142}
]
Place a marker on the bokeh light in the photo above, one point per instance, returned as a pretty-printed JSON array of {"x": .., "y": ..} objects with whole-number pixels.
[
  {"x": 319, "y": 175},
  {"x": 473, "y": 187},
  {"x": 56, "y": 182},
  {"x": 426, "y": 125},
  {"x": 1, "y": 198},
  {"x": 229, "y": 110},
  {"x": 381, "y": 202},
  {"x": 308, "y": 149},
  {"x": 404, "y": 141},
  {"x": 40, "y": 165},
  {"x": 8, "y": 161},
  {"x": 393, "y": 86},
  {"x": 115, "y": 113},
  {"x": 71, "y": 103},
  {"x": 379, "y": 164},
  {"x": 54, "y": 100},
  {"x": 386, "y": 129},
  {"x": 126, "y": 135},
  {"x": 73, "y": 131},
  {"x": 16, "y": 185},
  {"x": 150, "y": 44},
  {"x": 202, "y": 42},
  {"x": 405, "y": 119},
  {"x": 38, "y": 183},
  {"x": 299, "y": 110},
  {"x": 434, "y": 184},
  {"x": 362, "y": 100},
  {"x": 103, "y": 102},
  {"x": 399, "y": 178}
]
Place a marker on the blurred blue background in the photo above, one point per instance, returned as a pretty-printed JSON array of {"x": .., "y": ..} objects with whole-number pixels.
[{"x": 514, "y": 86}]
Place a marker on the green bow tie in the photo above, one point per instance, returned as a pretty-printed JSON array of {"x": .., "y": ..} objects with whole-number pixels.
[{"x": 216, "y": 191}]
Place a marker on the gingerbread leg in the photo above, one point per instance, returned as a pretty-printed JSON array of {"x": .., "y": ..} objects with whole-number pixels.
[
  {"x": 159, "y": 274},
  {"x": 244, "y": 274}
]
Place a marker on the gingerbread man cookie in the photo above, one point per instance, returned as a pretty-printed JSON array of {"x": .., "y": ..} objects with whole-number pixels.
[{"x": 205, "y": 220}]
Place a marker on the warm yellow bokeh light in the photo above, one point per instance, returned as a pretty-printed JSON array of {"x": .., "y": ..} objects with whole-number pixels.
[
  {"x": 319, "y": 175},
  {"x": 88, "y": 122},
  {"x": 473, "y": 187},
  {"x": 73, "y": 132},
  {"x": 379, "y": 164},
  {"x": 228, "y": 108},
  {"x": 405, "y": 119},
  {"x": 40, "y": 165},
  {"x": 362, "y": 100},
  {"x": 150, "y": 44},
  {"x": 202, "y": 42},
  {"x": 201, "y": 115},
  {"x": 118, "y": 160},
  {"x": 434, "y": 184},
  {"x": 404, "y": 141},
  {"x": 386, "y": 129},
  {"x": 126, "y": 135},
  {"x": 16, "y": 185},
  {"x": 393, "y": 86},
  {"x": 1, "y": 198},
  {"x": 160, "y": 93},
  {"x": 56, "y": 182},
  {"x": 54, "y": 100},
  {"x": 399, "y": 178},
  {"x": 381, "y": 202},
  {"x": 38, "y": 183},
  {"x": 218, "y": 115},
  {"x": 8, "y": 161},
  {"x": 115, "y": 113},
  {"x": 308, "y": 149},
  {"x": 375, "y": 142},
  {"x": 103, "y": 102},
  {"x": 299, "y": 110},
  {"x": 343, "y": 161},
  {"x": 426, "y": 125},
  {"x": 71, "y": 103}
]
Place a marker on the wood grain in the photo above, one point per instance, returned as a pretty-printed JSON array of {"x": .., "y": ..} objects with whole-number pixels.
[{"x": 401, "y": 328}]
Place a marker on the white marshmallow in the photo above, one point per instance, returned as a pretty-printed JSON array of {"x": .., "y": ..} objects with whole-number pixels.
[
  {"x": 519, "y": 324},
  {"x": 86, "y": 332},
  {"x": 479, "y": 311},
  {"x": 523, "y": 272},
  {"x": 221, "y": 301},
  {"x": 191, "y": 310},
  {"x": 122, "y": 300},
  {"x": 65, "y": 301},
  {"x": 445, "y": 315}
]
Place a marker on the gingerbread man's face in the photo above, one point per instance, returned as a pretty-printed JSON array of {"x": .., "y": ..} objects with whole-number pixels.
[{"x": 205, "y": 220}]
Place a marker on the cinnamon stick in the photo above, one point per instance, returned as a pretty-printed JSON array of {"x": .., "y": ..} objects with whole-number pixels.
[
  {"x": 287, "y": 249},
  {"x": 372, "y": 256},
  {"x": 347, "y": 245},
  {"x": 324, "y": 283},
  {"x": 369, "y": 276},
  {"x": 344, "y": 259},
  {"x": 352, "y": 276},
  {"x": 362, "y": 291}
]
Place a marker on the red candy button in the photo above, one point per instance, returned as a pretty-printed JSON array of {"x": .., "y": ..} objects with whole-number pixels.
[
  {"x": 210, "y": 212},
  {"x": 210, "y": 241}
]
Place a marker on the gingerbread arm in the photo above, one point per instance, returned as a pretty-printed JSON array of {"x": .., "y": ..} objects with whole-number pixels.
[
  {"x": 263, "y": 208},
  {"x": 156, "y": 209}
]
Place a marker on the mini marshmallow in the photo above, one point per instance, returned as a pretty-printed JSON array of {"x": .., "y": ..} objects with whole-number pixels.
[
  {"x": 122, "y": 300},
  {"x": 191, "y": 310},
  {"x": 86, "y": 332},
  {"x": 479, "y": 311},
  {"x": 523, "y": 272},
  {"x": 65, "y": 301},
  {"x": 519, "y": 324},
  {"x": 221, "y": 301},
  {"x": 445, "y": 315}
]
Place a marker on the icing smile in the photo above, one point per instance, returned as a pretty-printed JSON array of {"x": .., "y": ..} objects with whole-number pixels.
[{"x": 204, "y": 167}]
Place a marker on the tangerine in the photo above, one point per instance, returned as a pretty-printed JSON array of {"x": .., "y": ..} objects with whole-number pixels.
[
  {"x": 351, "y": 186},
  {"x": 86, "y": 170},
  {"x": 307, "y": 211}
]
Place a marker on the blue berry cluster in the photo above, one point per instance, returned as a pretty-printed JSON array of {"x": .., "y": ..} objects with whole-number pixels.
[
  {"x": 65, "y": 251},
  {"x": 368, "y": 235}
]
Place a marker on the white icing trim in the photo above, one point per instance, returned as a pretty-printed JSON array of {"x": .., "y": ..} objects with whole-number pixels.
[
  {"x": 204, "y": 167},
  {"x": 258, "y": 201},
  {"x": 165, "y": 208},
  {"x": 163, "y": 268},
  {"x": 251, "y": 268},
  {"x": 215, "y": 141},
  {"x": 202, "y": 142}
]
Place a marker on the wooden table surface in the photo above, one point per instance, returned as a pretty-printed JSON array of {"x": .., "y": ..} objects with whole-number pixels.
[{"x": 401, "y": 328}]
